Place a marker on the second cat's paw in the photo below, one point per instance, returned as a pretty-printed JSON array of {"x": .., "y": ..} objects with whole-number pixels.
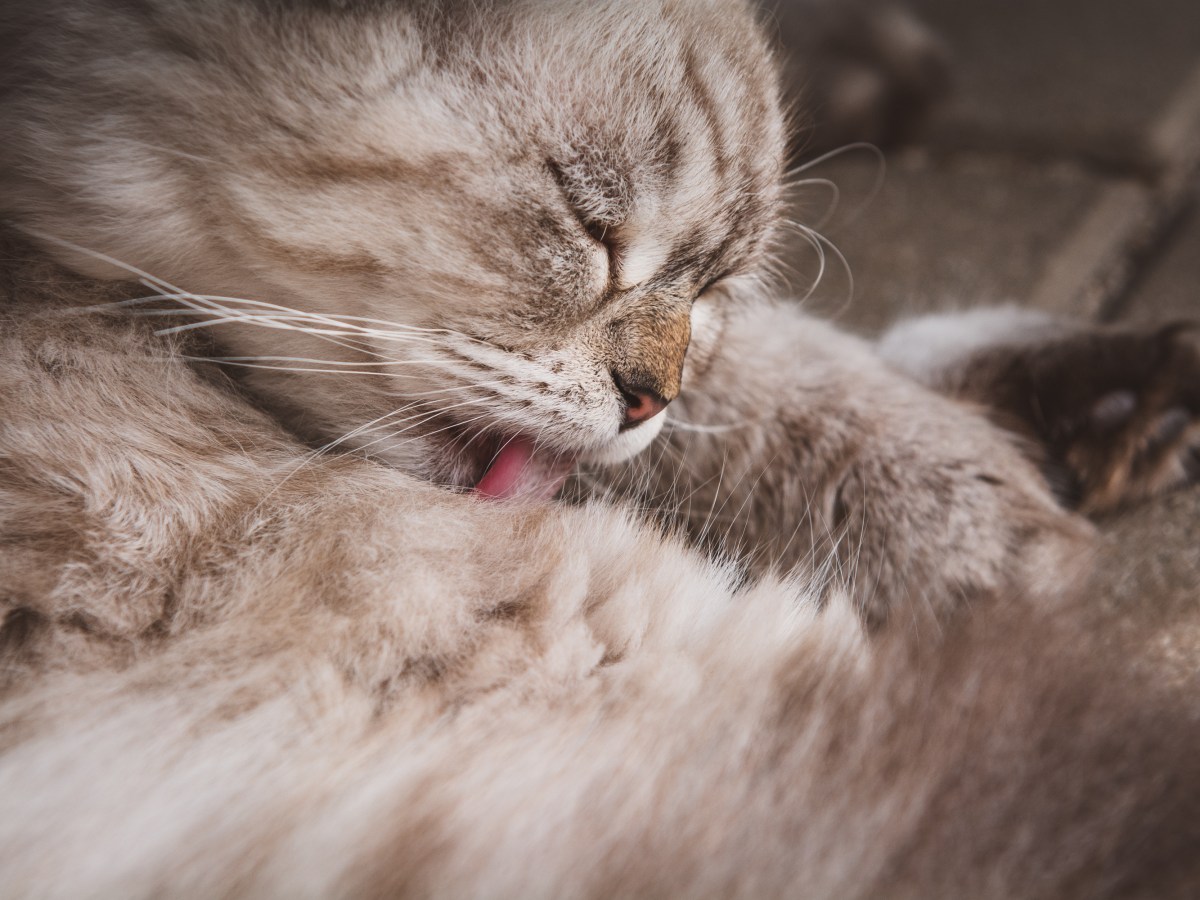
[{"x": 1118, "y": 410}]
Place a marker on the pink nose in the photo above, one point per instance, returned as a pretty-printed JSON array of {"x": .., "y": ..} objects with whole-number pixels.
[{"x": 641, "y": 403}]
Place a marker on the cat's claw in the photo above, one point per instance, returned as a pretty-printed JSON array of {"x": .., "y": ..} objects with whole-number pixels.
[{"x": 1138, "y": 389}]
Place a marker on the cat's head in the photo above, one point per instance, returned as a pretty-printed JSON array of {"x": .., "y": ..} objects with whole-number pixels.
[{"x": 491, "y": 221}]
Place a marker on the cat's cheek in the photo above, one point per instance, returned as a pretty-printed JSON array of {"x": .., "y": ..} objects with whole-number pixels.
[{"x": 708, "y": 326}]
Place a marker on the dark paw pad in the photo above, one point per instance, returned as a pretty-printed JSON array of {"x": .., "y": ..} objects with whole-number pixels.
[{"x": 1118, "y": 411}]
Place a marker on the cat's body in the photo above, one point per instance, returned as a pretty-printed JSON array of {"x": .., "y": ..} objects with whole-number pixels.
[
  {"x": 234, "y": 666},
  {"x": 237, "y": 669}
]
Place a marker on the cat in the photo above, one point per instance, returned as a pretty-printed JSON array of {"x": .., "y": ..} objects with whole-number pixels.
[{"x": 821, "y": 630}]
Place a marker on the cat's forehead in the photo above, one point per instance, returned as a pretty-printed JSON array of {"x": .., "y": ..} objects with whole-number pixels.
[
  {"x": 660, "y": 123},
  {"x": 677, "y": 145}
]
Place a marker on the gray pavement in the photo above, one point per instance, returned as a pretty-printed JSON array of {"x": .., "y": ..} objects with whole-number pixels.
[
  {"x": 1169, "y": 282},
  {"x": 1086, "y": 78},
  {"x": 1052, "y": 176},
  {"x": 1061, "y": 174},
  {"x": 943, "y": 232}
]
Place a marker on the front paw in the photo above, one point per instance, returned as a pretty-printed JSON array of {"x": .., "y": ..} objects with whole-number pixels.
[{"x": 1117, "y": 410}]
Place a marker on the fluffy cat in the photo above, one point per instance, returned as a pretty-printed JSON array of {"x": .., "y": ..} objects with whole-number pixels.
[{"x": 482, "y": 244}]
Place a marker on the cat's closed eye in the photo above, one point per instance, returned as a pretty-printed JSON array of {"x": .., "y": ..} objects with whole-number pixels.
[
  {"x": 605, "y": 235},
  {"x": 599, "y": 230}
]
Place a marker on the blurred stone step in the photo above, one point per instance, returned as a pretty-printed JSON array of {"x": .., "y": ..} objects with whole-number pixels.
[
  {"x": 955, "y": 228},
  {"x": 1170, "y": 286},
  {"x": 940, "y": 234},
  {"x": 1086, "y": 78}
]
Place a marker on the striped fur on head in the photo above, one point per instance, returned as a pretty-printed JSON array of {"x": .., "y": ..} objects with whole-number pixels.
[{"x": 523, "y": 198}]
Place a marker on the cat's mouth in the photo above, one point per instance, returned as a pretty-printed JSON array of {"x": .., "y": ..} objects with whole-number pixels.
[
  {"x": 518, "y": 468},
  {"x": 506, "y": 465}
]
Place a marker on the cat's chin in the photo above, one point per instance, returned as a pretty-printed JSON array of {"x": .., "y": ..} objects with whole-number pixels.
[
  {"x": 627, "y": 444},
  {"x": 519, "y": 468},
  {"x": 514, "y": 466}
]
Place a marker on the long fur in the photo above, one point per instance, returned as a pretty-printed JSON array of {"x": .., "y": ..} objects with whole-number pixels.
[
  {"x": 260, "y": 673},
  {"x": 830, "y": 636}
]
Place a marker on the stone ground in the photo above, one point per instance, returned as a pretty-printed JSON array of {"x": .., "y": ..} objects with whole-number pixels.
[{"x": 1062, "y": 173}]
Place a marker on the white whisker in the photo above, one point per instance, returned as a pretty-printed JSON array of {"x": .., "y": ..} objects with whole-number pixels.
[{"x": 680, "y": 425}]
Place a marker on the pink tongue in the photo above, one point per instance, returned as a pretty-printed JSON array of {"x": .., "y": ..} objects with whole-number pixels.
[
  {"x": 500, "y": 480},
  {"x": 516, "y": 472}
]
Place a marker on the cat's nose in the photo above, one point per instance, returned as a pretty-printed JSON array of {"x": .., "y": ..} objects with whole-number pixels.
[{"x": 641, "y": 402}]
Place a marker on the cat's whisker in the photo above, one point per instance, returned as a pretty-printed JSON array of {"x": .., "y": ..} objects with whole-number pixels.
[
  {"x": 354, "y": 342},
  {"x": 820, "y": 244},
  {"x": 768, "y": 279},
  {"x": 473, "y": 438},
  {"x": 834, "y": 201},
  {"x": 390, "y": 435},
  {"x": 810, "y": 237},
  {"x": 365, "y": 428},
  {"x": 337, "y": 363},
  {"x": 344, "y": 368},
  {"x": 712, "y": 509},
  {"x": 332, "y": 320},
  {"x": 330, "y": 370},
  {"x": 680, "y": 425},
  {"x": 404, "y": 426},
  {"x": 143, "y": 276},
  {"x": 845, "y": 263},
  {"x": 306, "y": 369},
  {"x": 803, "y": 517},
  {"x": 843, "y": 150},
  {"x": 876, "y": 186},
  {"x": 311, "y": 457},
  {"x": 220, "y": 312},
  {"x": 384, "y": 421},
  {"x": 431, "y": 413},
  {"x": 454, "y": 389},
  {"x": 286, "y": 322},
  {"x": 452, "y": 426},
  {"x": 768, "y": 466}
]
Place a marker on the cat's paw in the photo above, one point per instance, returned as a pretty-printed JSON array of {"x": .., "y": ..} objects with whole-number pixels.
[
  {"x": 863, "y": 70},
  {"x": 1118, "y": 411}
]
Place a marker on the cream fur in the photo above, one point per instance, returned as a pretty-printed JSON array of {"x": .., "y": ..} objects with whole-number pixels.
[
  {"x": 828, "y": 636},
  {"x": 263, "y": 674}
]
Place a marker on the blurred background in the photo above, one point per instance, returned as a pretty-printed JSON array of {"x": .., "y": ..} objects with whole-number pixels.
[
  {"x": 1038, "y": 152},
  {"x": 1042, "y": 152}
]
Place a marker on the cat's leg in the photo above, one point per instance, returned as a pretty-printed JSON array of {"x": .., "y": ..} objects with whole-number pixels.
[
  {"x": 1113, "y": 410},
  {"x": 793, "y": 446}
]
